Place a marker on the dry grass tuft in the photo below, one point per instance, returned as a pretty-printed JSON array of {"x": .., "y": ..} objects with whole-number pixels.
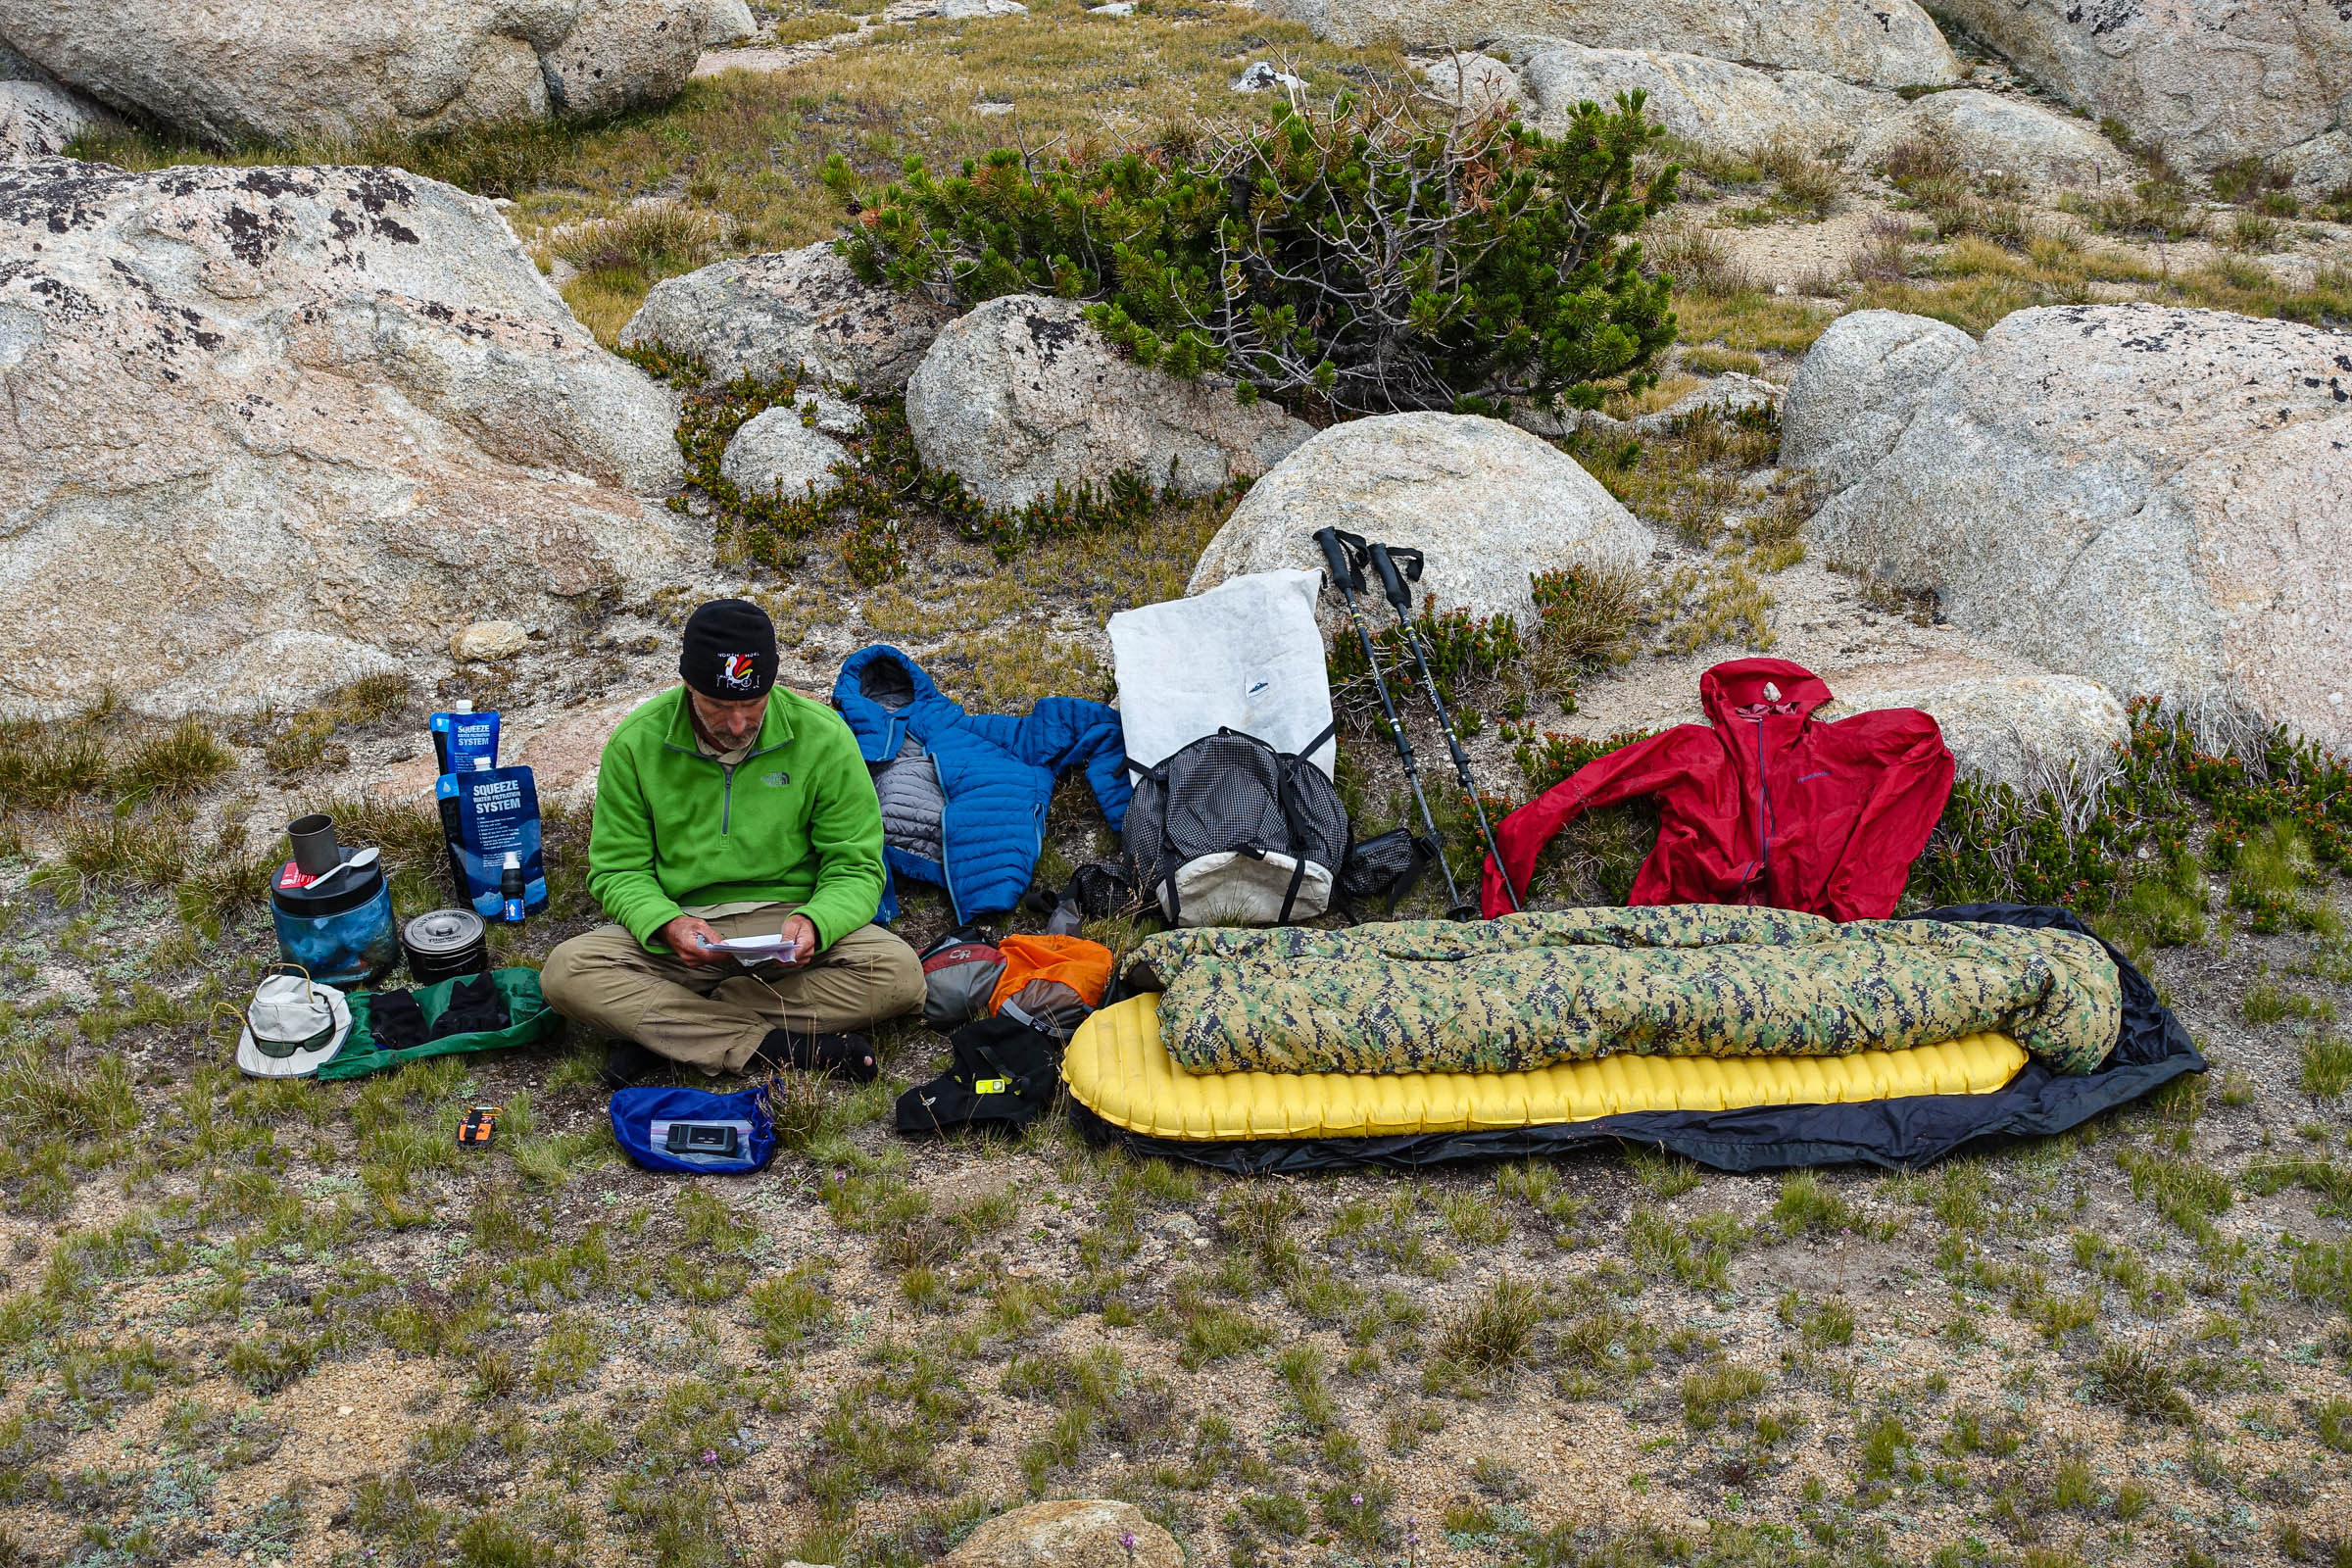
[
  {"x": 1697, "y": 259},
  {"x": 176, "y": 765},
  {"x": 1498, "y": 1332},
  {"x": 1886, "y": 256},
  {"x": 1811, "y": 186},
  {"x": 1587, "y": 616},
  {"x": 108, "y": 852},
  {"x": 46, "y": 764}
]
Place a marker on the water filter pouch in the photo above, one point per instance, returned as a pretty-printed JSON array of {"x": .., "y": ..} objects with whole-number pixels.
[
  {"x": 490, "y": 814},
  {"x": 464, "y": 742}
]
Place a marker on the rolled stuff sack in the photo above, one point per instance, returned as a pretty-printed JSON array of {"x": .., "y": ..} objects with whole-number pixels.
[
  {"x": 1049, "y": 982},
  {"x": 960, "y": 971},
  {"x": 1898, "y": 1109}
]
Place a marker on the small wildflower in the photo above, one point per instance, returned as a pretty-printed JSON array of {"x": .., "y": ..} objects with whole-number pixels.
[
  {"x": 709, "y": 1457},
  {"x": 1127, "y": 1538},
  {"x": 1355, "y": 1499}
]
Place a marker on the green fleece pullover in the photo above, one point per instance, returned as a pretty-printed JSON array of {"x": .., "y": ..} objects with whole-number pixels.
[{"x": 796, "y": 821}]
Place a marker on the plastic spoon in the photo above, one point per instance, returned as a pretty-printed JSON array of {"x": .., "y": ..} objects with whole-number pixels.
[{"x": 359, "y": 861}]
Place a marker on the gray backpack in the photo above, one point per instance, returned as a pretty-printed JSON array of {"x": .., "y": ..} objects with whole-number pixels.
[{"x": 1229, "y": 831}]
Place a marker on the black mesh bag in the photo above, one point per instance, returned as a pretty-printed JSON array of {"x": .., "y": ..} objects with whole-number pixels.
[
  {"x": 1387, "y": 867},
  {"x": 1229, "y": 831}
]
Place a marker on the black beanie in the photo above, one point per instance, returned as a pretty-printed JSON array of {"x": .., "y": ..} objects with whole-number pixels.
[{"x": 731, "y": 652}]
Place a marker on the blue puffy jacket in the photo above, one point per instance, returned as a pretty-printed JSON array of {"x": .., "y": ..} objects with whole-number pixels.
[{"x": 964, "y": 795}]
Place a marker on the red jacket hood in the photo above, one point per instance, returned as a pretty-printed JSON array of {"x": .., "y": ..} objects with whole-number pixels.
[{"x": 1759, "y": 686}]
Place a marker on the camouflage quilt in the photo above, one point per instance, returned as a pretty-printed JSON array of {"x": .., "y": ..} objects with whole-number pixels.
[{"x": 1680, "y": 980}]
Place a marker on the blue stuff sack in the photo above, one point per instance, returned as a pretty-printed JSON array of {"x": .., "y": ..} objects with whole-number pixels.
[
  {"x": 488, "y": 815},
  {"x": 637, "y": 1112}
]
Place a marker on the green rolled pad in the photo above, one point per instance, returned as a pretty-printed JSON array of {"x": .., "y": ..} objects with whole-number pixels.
[{"x": 527, "y": 1012}]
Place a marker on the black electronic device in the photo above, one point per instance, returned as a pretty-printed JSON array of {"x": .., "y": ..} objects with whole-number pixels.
[{"x": 705, "y": 1139}]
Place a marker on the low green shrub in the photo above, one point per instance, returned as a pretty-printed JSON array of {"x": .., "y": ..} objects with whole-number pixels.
[
  {"x": 2286, "y": 810},
  {"x": 1365, "y": 259},
  {"x": 1461, "y": 648},
  {"x": 1585, "y": 617},
  {"x": 2246, "y": 180}
]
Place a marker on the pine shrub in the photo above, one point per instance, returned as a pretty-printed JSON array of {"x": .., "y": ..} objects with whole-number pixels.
[{"x": 1359, "y": 260}]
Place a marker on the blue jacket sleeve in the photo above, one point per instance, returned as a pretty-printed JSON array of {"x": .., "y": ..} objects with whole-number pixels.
[
  {"x": 1066, "y": 732},
  {"x": 1106, "y": 758},
  {"x": 1062, "y": 733}
]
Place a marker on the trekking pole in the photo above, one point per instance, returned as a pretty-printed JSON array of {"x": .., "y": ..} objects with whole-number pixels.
[
  {"x": 1343, "y": 554},
  {"x": 1387, "y": 563}
]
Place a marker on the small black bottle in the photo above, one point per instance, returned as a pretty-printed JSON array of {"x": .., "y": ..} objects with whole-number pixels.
[{"x": 510, "y": 888}]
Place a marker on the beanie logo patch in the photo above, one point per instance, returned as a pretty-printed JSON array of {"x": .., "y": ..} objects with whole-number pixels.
[{"x": 737, "y": 672}]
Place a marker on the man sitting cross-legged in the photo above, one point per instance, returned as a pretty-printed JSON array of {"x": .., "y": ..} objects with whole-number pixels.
[{"x": 729, "y": 809}]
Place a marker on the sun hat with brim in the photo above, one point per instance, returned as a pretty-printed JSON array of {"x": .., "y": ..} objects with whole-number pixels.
[{"x": 293, "y": 1027}]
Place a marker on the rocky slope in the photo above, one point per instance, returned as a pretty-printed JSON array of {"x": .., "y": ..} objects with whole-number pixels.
[
  {"x": 346, "y": 69},
  {"x": 2145, "y": 496},
  {"x": 274, "y": 428},
  {"x": 1891, "y": 44}
]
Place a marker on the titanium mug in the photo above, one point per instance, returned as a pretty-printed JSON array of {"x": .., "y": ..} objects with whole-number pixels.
[{"x": 316, "y": 851}]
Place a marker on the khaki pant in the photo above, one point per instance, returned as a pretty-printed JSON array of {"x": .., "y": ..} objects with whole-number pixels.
[{"x": 716, "y": 1016}]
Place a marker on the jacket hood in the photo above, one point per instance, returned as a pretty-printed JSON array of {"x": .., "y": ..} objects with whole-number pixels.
[
  {"x": 876, "y": 687},
  {"x": 1746, "y": 689}
]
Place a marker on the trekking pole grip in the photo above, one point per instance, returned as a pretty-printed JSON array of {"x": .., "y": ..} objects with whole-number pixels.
[
  {"x": 1335, "y": 561},
  {"x": 1392, "y": 582}
]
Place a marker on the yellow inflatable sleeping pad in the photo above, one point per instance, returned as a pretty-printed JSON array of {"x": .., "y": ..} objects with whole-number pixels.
[{"x": 1116, "y": 1067}]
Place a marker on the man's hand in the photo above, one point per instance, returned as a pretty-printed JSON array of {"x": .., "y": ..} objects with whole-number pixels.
[
  {"x": 693, "y": 941},
  {"x": 801, "y": 930}
]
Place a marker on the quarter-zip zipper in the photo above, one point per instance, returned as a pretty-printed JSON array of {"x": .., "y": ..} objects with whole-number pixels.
[{"x": 727, "y": 807}]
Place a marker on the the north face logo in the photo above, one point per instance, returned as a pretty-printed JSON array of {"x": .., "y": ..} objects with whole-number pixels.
[{"x": 776, "y": 780}]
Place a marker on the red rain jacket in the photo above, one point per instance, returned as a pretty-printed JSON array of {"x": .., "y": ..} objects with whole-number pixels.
[{"x": 1767, "y": 807}]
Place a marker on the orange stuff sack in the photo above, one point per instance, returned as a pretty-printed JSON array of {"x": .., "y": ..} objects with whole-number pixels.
[{"x": 1082, "y": 965}]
